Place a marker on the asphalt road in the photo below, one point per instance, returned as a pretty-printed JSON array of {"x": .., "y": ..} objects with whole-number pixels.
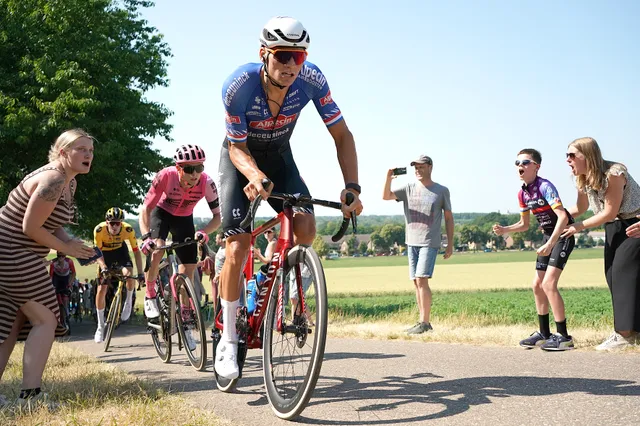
[{"x": 376, "y": 382}]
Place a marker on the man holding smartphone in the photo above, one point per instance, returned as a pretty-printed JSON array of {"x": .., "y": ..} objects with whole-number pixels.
[{"x": 424, "y": 203}]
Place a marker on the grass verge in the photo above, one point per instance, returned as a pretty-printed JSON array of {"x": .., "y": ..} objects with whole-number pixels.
[{"x": 91, "y": 393}]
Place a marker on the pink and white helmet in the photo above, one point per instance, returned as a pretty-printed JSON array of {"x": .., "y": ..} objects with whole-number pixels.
[{"x": 189, "y": 154}]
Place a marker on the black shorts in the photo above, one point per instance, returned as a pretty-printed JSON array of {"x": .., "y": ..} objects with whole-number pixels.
[
  {"x": 181, "y": 228},
  {"x": 118, "y": 256},
  {"x": 279, "y": 166},
  {"x": 61, "y": 284},
  {"x": 559, "y": 254}
]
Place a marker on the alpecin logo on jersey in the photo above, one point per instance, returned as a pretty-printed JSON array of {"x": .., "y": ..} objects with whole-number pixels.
[
  {"x": 312, "y": 76},
  {"x": 327, "y": 99},
  {"x": 282, "y": 121},
  {"x": 232, "y": 119}
]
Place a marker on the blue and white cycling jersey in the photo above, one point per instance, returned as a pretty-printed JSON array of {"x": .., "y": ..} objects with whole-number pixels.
[{"x": 248, "y": 118}]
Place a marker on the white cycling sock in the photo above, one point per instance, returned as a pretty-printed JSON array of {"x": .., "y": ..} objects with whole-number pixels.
[
  {"x": 129, "y": 296},
  {"x": 100, "y": 317},
  {"x": 229, "y": 312}
]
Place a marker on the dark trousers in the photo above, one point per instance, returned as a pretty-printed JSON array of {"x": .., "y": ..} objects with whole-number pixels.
[{"x": 622, "y": 269}]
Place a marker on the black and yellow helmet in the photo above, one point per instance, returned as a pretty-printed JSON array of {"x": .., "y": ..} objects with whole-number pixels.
[{"x": 114, "y": 214}]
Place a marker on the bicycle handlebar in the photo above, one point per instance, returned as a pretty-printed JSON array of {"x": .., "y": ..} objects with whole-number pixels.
[
  {"x": 297, "y": 199},
  {"x": 186, "y": 242}
]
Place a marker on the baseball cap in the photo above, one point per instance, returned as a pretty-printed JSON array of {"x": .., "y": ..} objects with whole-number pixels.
[{"x": 423, "y": 159}]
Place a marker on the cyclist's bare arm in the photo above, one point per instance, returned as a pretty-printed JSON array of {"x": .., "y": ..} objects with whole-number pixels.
[
  {"x": 348, "y": 159},
  {"x": 145, "y": 214},
  {"x": 246, "y": 164}
]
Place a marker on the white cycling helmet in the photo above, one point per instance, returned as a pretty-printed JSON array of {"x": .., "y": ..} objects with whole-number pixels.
[{"x": 284, "y": 31}]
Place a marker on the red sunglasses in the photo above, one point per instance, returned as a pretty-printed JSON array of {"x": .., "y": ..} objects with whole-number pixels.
[{"x": 284, "y": 56}]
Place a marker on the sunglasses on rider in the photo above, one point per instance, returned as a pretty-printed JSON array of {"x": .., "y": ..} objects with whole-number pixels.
[
  {"x": 284, "y": 56},
  {"x": 524, "y": 162},
  {"x": 191, "y": 169},
  {"x": 114, "y": 223}
]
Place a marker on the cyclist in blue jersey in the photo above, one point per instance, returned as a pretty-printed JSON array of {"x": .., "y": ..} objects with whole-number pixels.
[
  {"x": 262, "y": 102},
  {"x": 540, "y": 197}
]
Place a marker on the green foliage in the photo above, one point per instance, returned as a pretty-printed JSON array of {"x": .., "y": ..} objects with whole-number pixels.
[
  {"x": 87, "y": 64},
  {"x": 362, "y": 248},
  {"x": 320, "y": 246},
  {"x": 586, "y": 307},
  {"x": 352, "y": 245}
]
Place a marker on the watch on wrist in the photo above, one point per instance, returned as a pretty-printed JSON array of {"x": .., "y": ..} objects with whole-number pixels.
[
  {"x": 354, "y": 186},
  {"x": 145, "y": 236}
]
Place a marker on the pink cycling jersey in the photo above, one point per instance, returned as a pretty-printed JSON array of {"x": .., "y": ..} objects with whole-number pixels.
[{"x": 166, "y": 193}]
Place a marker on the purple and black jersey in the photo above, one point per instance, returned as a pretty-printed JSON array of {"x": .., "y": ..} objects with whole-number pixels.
[
  {"x": 541, "y": 198},
  {"x": 248, "y": 118}
]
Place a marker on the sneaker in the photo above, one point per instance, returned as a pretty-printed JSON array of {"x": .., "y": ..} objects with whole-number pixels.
[
  {"x": 98, "y": 338},
  {"x": 226, "y": 364},
  {"x": 36, "y": 402},
  {"x": 536, "y": 339},
  {"x": 151, "y": 308},
  {"x": 126, "y": 311},
  {"x": 419, "y": 328},
  {"x": 188, "y": 336},
  {"x": 614, "y": 342},
  {"x": 557, "y": 342},
  {"x": 412, "y": 327}
]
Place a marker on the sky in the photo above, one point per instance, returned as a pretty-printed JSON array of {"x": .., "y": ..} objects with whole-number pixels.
[{"x": 468, "y": 83}]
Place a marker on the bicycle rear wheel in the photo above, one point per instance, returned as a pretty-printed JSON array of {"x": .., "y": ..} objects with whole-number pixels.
[
  {"x": 113, "y": 317},
  {"x": 190, "y": 323},
  {"x": 293, "y": 350},
  {"x": 162, "y": 338}
]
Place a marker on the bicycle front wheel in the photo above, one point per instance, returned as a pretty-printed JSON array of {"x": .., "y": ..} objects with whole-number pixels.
[
  {"x": 190, "y": 323},
  {"x": 294, "y": 341},
  {"x": 161, "y": 334},
  {"x": 113, "y": 317}
]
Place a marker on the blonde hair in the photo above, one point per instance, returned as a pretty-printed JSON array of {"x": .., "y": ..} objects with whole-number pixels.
[
  {"x": 597, "y": 167},
  {"x": 64, "y": 142}
]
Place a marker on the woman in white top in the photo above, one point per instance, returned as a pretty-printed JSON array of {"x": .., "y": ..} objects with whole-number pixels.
[{"x": 614, "y": 197}]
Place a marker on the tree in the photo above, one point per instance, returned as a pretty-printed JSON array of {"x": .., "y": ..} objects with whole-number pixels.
[
  {"x": 352, "y": 245},
  {"x": 392, "y": 234},
  {"x": 378, "y": 242},
  {"x": 320, "y": 246},
  {"x": 362, "y": 248},
  {"x": 87, "y": 64}
]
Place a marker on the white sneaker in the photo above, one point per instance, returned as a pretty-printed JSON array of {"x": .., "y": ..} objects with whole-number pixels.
[
  {"x": 151, "y": 308},
  {"x": 126, "y": 311},
  {"x": 613, "y": 342},
  {"x": 191, "y": 343},
  {"x": 99, "y": 335},
  {"x": 226, "y": 364}
]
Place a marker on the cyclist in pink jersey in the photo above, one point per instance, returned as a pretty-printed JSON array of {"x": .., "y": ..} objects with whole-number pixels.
[{"x": 168, "y": 208}]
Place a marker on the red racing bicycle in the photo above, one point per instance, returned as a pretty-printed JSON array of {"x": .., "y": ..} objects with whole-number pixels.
[{"x": 290, "y": 323}]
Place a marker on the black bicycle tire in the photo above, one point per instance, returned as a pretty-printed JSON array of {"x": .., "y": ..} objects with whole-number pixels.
[
  {"x": 200, "y": 364},
  {"x": 289, "y": 409},
  {"x": 165, "y": 356},
  {"x": 114, "y": 314}
]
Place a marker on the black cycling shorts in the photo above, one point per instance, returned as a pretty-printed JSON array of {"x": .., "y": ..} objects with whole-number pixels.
[
  {"x": 119, "y": 256},
  {"x": 181, "y": 228},
  {"x": 279, "y": 166},
  {"x": 61, "y": 284},
  {"x": 559, "y": 254}
]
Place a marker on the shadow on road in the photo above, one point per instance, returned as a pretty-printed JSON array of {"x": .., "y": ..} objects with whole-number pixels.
[{"x": 451, "y": 397}]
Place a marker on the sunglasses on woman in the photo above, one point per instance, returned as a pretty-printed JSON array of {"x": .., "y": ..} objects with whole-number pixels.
[
  {"x": 191, "y": 169},
  {"x": 284, "y": 56},
  {"x": 571, "y": 155},
  {"x": 524, "y": 162}
]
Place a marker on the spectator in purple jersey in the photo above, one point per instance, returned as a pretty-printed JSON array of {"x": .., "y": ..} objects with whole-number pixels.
[
  {"x": 614, "y": 197},
  {"x": 541, "y": 198},
  {"x": 425, "y": 202}
]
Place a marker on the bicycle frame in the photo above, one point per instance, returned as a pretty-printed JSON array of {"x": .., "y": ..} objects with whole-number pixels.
[{"x": 274, "y": 274}]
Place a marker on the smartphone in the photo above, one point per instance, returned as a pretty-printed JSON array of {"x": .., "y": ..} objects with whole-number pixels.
[
  {"x": 399, "y": 171},
  {"x": 97, "y": 256}
]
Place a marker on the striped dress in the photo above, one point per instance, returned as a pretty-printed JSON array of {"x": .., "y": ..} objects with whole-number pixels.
[{"x": 23, "y": 275}]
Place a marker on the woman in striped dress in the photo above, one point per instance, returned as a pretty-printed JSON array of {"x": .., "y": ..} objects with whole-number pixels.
[{"x": 31, "y": 224}]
